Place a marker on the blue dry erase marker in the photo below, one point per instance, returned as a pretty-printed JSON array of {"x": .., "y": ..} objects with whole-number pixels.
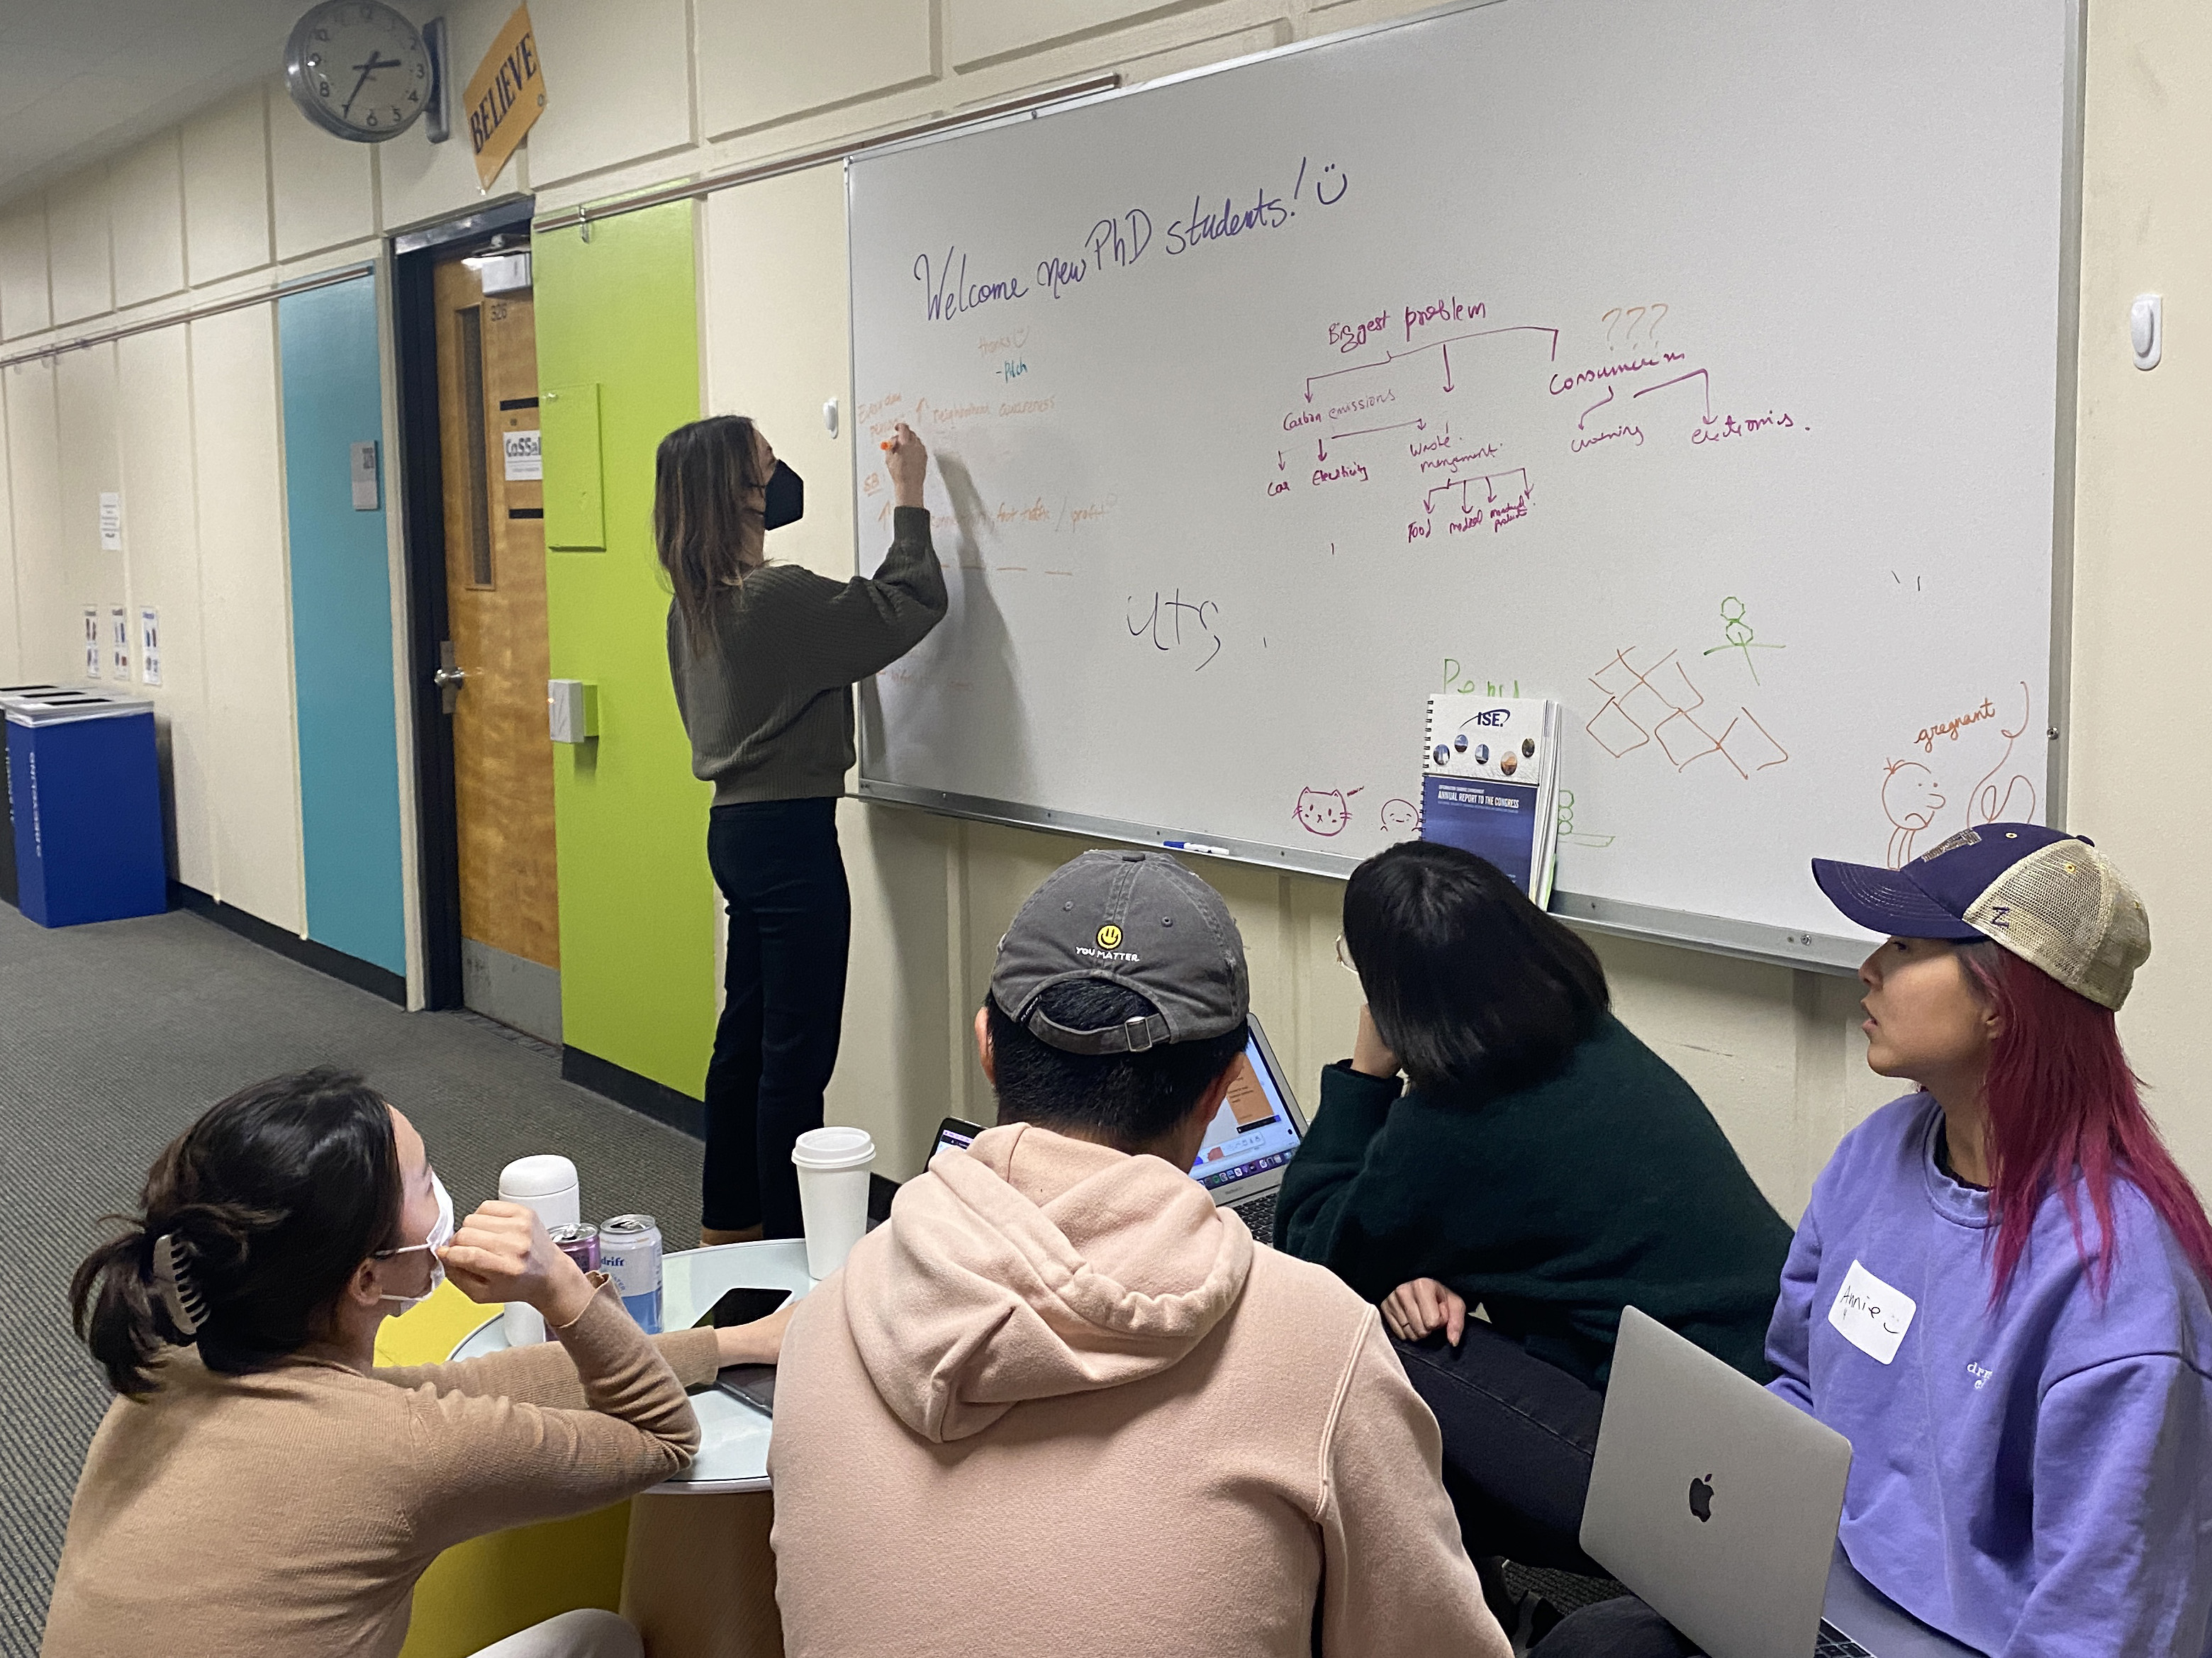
[{"x": 1200, "y": 847}]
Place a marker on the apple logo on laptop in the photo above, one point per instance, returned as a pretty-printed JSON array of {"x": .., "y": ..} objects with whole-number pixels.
[{"x": 1701, "y": 1496}]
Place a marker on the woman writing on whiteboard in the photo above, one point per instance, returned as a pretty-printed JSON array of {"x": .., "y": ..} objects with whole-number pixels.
[
  {"x": 764, "y": 656},
  {"x": 1543, "y": 1164}
]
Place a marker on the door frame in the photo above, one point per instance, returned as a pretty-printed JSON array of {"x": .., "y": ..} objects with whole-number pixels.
[{"x": 415, "y": 253}]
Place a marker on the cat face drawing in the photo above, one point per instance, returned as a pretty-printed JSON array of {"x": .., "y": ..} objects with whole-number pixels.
[{"x": 1324, "y": 811}]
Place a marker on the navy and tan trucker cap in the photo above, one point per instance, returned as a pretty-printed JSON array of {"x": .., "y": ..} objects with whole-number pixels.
[
  {"x": 2050, "y": 897},
  {"x": 1139, "y": 920}
]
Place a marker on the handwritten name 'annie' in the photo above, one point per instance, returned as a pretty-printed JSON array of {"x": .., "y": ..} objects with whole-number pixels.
[{"x": 1951, "y": 728}]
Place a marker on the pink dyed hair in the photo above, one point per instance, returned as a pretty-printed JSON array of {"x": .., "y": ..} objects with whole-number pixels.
[{"x": 2063, "y": 1097}]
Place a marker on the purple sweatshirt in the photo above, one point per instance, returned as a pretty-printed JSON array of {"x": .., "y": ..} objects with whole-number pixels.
[{"x": 2035, "y": 1480}]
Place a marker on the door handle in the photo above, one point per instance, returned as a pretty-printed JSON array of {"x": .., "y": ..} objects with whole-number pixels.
[{"x": 450, "y": 677}]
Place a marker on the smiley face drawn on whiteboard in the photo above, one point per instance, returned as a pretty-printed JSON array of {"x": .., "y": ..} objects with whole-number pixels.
[
  {"x": 1324, "y": 811},
  {"x": 1401, "y": 819}
]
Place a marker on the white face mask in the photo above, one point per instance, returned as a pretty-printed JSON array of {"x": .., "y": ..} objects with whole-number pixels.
[{"x": 441, "y": 1234}]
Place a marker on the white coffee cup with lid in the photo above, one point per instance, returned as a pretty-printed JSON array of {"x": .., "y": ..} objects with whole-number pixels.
[
  {"x": 833, "y": 1165},
  {"x": 548, "y": 1184}
]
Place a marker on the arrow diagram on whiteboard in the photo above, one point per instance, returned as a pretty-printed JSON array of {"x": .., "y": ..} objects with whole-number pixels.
[
  {"x": 1595, "y": 407},
  {"x": 1447, "y": 385},
  {"x": 1694, "y": 374},
  {"x": 1320, "y": 449},
  {"x": 1279, "y": 462}
]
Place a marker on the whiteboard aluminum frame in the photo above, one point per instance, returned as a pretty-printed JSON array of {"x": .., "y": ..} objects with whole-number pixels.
[{"x": 1775, "y": 946}]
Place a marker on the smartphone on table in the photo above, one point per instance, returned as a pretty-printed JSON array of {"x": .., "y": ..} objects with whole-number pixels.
[{"x": 751, "y": 1384}]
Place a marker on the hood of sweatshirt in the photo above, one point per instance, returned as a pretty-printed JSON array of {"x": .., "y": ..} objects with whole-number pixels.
[{"x": 1032, "y": 1266}]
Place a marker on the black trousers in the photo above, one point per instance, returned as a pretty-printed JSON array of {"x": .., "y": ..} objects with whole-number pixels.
[
  {"x": 791, "y": 926},
  {"x": 1519, "y": 1436}
]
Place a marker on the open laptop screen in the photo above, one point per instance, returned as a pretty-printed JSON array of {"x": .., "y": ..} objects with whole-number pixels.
[{"x": 1254, "y": 1131}]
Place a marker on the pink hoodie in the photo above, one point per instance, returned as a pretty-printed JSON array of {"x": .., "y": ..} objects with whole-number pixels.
[{"x": 1061, "y": 1404}]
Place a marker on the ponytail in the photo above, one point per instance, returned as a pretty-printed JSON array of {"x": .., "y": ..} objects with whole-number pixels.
[{"x": 250, "y": 1223}]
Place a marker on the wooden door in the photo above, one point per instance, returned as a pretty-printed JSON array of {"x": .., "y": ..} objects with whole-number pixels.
[{"x": 495, "y": 610}]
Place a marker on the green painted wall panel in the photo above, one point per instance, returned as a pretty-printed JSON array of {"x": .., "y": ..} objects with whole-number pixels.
[{"x": 637, "y": 919}]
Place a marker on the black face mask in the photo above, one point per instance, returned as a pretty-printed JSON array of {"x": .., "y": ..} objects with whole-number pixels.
[{"x": 787, "y": 498}]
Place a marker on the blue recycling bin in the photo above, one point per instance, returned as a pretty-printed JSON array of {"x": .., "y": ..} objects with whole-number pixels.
[{"x": 84, "y": 791}]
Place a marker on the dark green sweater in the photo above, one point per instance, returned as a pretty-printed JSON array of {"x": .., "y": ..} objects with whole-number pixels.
[
  {"x": 1607, "y": 1185},
  {"x": 769, "y": 707}
]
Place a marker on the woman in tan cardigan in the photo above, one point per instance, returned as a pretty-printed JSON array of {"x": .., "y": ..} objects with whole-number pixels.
[{"x": 260, "y": 1486}]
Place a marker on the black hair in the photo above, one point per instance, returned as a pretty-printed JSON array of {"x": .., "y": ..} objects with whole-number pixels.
[
  {"x": 1127, "y": 1100},
  {"x": 274, "y": 1198},
  {"x": 1472, "y": 987}
]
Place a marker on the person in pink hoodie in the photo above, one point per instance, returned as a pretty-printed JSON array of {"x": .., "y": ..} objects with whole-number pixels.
[{"x": 1060, "y": 1403}]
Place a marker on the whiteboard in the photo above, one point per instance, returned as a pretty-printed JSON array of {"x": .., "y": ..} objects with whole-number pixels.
[{"x": 1695, "y": 362}]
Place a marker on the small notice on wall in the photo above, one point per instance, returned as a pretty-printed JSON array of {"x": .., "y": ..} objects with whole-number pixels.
[
  {"x": 111, "y": 521},
  {"x": 149, "y": 646},
  {"x": 92, "y": 641},
  {"x": 120, "y": 634},
  {"x": 525, "y": 461},
  {"x": 506, "y": 95}
]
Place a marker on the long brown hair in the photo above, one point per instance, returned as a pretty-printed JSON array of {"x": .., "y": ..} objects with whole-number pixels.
[{"x": 700, "y": 478}]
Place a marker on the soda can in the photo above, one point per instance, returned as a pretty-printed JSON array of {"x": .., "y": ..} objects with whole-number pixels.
[
  {"x": 579, "y": 1243},
  {"x": 629, "y": 1252}
]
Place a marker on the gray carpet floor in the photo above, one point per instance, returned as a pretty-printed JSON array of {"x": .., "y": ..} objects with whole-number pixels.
[{"x": 114, "y": 1038}]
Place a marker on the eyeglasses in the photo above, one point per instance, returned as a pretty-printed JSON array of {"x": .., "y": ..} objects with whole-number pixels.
[{"x": 1344, "y": 956}]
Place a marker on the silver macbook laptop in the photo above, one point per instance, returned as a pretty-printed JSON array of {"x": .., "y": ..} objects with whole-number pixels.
[
  {"x": 1247, "y": 1143},
  {"x": 1718, "y": 1502}
]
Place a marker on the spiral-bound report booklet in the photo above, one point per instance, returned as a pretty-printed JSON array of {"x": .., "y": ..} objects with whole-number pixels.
[{"x": 1488, "y": 775}]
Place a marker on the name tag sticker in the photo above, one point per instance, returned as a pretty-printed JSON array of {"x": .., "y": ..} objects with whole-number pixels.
[{"x": 1870, "y": 1315}]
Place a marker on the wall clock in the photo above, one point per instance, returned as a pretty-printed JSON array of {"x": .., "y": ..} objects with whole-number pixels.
[{"x": 359, "y": 70}]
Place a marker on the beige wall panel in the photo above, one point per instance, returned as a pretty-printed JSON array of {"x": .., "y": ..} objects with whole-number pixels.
[
  {"x": 976, "y": 31},
  {"x": 324, "y": 187},
  {"x": 776, "y": 346},
  {"x": 898, "y": 1053},
  {"x": 12, "y": 610},
  {"x": 26, "y": 306},
  {"x": 2143, "y": 589},
  {"x": 419, "y": 181},
  {"x": 767, "y": 60},
  {"x": 81, "y": 266},
  {"x": 49, "y": 586},
  {"x": 84, "y": 399},
  {"x": 227, "y": 188},
  {"x": 618, "y": 85},
  {"x": 252, "y": 772},
  {"x": 146, "y": 193},
  {"x": 154, "y": 403}
]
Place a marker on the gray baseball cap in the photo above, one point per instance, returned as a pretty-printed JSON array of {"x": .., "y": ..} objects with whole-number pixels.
[{"x": 1135, "y": 919}]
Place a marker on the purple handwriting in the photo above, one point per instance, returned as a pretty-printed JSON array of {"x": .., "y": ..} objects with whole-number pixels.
[
  {"x": 1730, "y": 427},
  {"x": 950, "y": 292},
  {"x": 1577, "y": 445},
  {"x": 1204, "y": 225},
  {"x": 1344, "y": 336},
  {"x": 1353, "y": 470},
  {"x": 1454, "y": 309},
  {"x": 1562, "y": 383}
]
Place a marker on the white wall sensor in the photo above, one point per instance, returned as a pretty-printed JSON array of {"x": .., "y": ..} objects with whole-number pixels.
[{"x": 2146, "y": 329}]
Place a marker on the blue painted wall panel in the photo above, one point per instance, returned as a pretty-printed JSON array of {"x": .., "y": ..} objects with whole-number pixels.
[{"x": 342, "y": 626}]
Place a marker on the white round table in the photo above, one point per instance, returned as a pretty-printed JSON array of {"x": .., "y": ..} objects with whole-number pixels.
[{"x": 733, "y": 1436}]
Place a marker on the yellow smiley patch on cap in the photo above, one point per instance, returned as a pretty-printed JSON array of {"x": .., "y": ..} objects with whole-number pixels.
[{"x": 1110, "y": 937}]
